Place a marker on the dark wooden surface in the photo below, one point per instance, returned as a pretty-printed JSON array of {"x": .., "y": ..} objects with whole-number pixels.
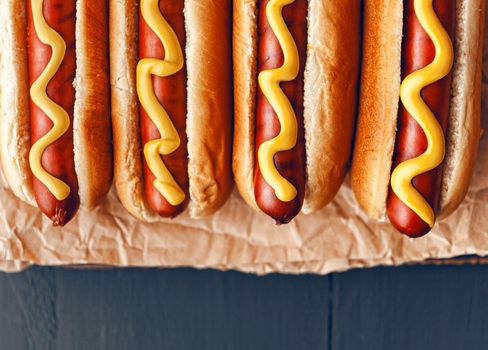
[{"x": 421, "y": 307}]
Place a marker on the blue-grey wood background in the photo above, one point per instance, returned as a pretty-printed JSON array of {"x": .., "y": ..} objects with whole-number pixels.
[{"x": 417, "y": 307}]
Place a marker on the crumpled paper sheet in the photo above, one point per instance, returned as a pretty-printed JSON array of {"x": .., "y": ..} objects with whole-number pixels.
[{"x": 337, "y": 238}]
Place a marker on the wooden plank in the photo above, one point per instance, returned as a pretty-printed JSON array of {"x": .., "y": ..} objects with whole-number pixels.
[
  {"x": 11, "y": 319},
  {"x": 189, "y": 309},
  {"x": 28, "y": 307},
  {"x": 277, "y": 312},
  {"x": 387, "y": 308},
  {"x": 422, "y": 307}
]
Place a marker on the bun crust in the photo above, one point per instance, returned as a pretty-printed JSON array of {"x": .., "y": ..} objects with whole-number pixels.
[
  {"x": 331, "y": 77},
  {"x": 92, "y": 127},
  {"x": 93, "y": 159},
  {"x": 379, "y": 99},
  {"x": 209, "y": 124},
  {"x": 331, "y": 74},
  {"x": 245, "y": 46},
  {"x": 14, "y": 99},
  {"x": 209, "y": 116},
  {"x": 464, "y": 120},
  {"x": 378, "y": 104},
  {"x": 128, "y": 169}
]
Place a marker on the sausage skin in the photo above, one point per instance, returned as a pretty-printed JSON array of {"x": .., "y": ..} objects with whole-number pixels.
[
  {"x": 417, "y": 52},
  {"x": 290, "y": 164},
  {"x": 58, "y": 158},
  {"x": 171, "y": 93}
]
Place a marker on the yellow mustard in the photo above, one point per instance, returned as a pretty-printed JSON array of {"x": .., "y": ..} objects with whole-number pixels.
[
  {"x": 172, "y": 63},
  {"x": 412, "y": 85},
  {"x": 269, "y": 82},
  {"x": 55, "y": 112}
]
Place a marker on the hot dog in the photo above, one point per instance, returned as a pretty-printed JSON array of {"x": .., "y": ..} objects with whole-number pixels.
[
  {"x": 171, "y": 106},
  {"x": 64, "y": 154},
  {"x": 58, "y": 157},
  {"x": 294, "y": 114},
  {"x": 171, "y": 91},
  {"x": 439, "y": 59},
  {"x": 290, "y": 163},
  {"x": 411, "y": 141}
]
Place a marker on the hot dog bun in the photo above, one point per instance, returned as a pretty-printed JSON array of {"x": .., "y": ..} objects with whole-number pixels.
[
  {"x": 14, "y": 100},
  {"x": 379, "y": 100},
  {"x": 209, "y": 118},
  {"x": 329, "y": 98},
  {"x": 92, "y": 137}
]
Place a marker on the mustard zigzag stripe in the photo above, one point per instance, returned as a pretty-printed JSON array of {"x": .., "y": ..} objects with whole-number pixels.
[
  {"x": 56, "y": 113},
  {"x": 269, "y": 81},
  {"x": 172, "y": 63},
  {"x": 401, "y": 179}
]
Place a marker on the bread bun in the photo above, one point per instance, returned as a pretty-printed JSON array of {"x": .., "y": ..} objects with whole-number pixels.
[
  {"x": 14, "y": 99},
  {"x": 91, "y": 124}
]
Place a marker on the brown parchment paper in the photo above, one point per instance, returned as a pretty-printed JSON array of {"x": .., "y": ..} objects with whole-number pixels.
[{"x": 337, "y": 238}]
